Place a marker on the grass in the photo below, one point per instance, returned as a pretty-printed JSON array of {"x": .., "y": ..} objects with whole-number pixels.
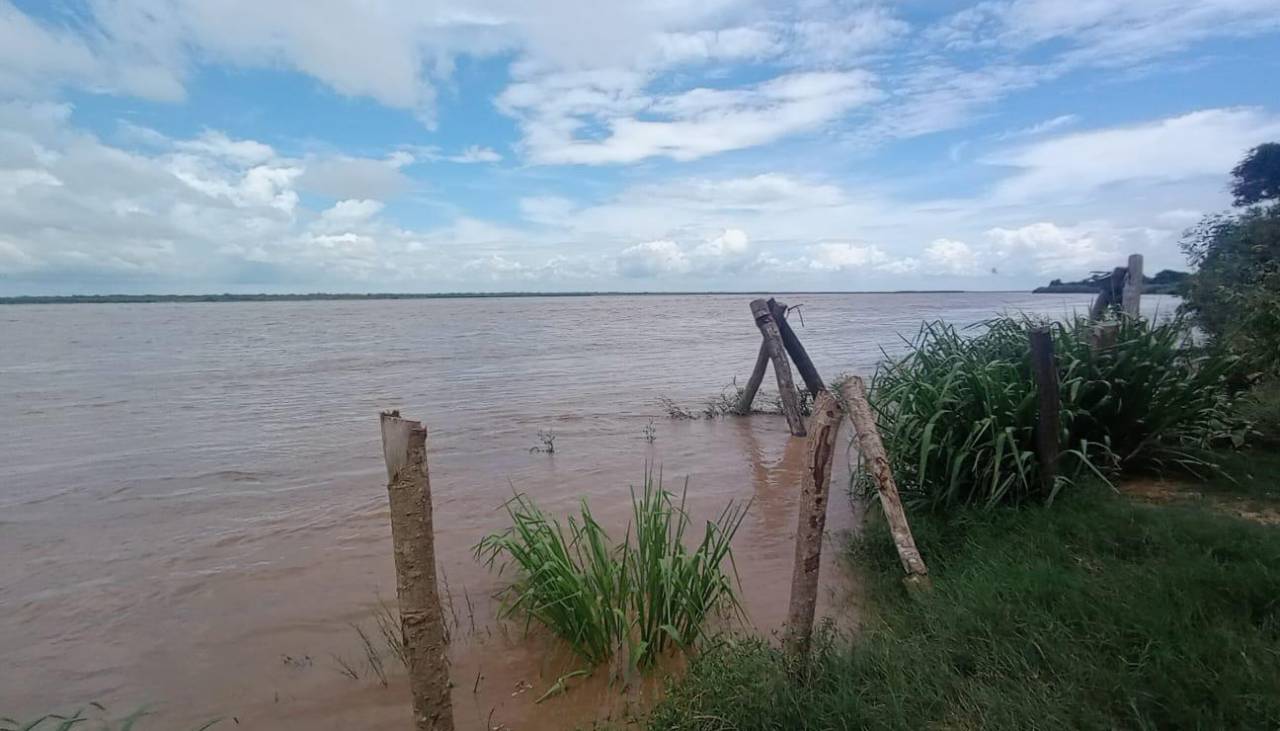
[
  {"x": 93, "y": 716},
  {"x": 647, "y": 594},
  {"x": 1095, "y": 613},
  {"x": 958, "y": 412}
]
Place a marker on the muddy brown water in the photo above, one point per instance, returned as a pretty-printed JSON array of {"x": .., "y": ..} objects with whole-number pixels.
[{"x": 193, "y": 506}]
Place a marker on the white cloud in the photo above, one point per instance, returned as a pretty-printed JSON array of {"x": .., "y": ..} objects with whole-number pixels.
[
  {"x": 849, "y": 257},
  {"x": 597, "y": 122},
  {"x": 1040, "y": 128},
  {"x": 652, "y": 258},
  {"x": 1048, "y": 249},
  {"x": 947, "y": 256},
  {"x": 477, "y": 153},
  {"x": 1203, "y": 143},
  {"x": 727, "y": 252},
  {"x": 1101, "y": 31},
  {"x": 355, "y": 177}
]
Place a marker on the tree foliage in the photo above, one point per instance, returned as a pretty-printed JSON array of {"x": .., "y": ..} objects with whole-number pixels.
[
  {"x": 1257, "y": 177},
  {"x": 1235, "y": 295}
]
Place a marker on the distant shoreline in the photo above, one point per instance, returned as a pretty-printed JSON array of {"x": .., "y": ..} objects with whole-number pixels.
[{"x": 179, "y": 298}]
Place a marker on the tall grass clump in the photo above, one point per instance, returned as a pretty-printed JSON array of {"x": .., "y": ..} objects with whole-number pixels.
[
  {"x": 958, "y": 412},
  {"x": 642, "y": 596}
]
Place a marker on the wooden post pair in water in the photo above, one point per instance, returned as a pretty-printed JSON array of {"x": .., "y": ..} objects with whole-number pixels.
[
  {"x": 824, "y": 427},
  {"x": 779, "y": 341}
]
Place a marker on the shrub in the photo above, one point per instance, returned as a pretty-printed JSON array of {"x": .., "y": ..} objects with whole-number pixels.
[
  {"x": 644, "y": 595},
  {"x": 1235, "y": 295},
  {"x": 958, "y": 413}
]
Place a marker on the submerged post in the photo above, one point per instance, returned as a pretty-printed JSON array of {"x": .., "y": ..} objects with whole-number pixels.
[
  {"x": 404, "y": 447},
  {"x": 753, "y": 384},
  {"x": 1049, "y": 406},
  {"x": 777, "y": 353},
  {"x": 795, "y": 349},
  {"x": 1131, "y": 300},
  {"x": 876, "y": 461},
  {"x": 824, "y": 425}
]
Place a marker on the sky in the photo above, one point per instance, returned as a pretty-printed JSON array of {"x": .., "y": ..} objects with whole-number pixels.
[{"x": 190, "y": 146}]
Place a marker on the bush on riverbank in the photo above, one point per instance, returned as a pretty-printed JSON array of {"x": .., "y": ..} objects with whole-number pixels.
[
  {"x": 958, "y": 412},
  {"x": 1095, "y": 613}
]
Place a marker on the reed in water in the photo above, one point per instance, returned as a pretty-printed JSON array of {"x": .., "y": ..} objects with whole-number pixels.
[{"x": 645, "y": 595}]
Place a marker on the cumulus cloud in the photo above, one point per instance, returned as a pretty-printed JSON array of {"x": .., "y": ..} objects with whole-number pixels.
[
  {"x": 1048, "y": 249},
  {"x": 726, "y": 253},
  {"x": 946, "y": 256}
]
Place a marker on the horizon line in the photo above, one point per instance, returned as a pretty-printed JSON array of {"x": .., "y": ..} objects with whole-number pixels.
[{"x": 121, "y": 298}]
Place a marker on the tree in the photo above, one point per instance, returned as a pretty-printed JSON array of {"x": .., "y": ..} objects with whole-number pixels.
[
  {"x": 1257, "y": 177},
  {"x": 1235, "y": 294}
]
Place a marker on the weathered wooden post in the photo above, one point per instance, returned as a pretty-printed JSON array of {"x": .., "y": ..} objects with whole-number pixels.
[
  {"x": 404, "y": 447},
  {"x": 1110, "y": 296},
  {"x": 753, "y": 384},
  {"x": 777, "y": 353},
  {"x": 854, "y": 393},
  {"x": 1131, "y": 300},
  {"x": 1103, "y": 336},
  {"x": 1048, "y": 423},
  {"x": 824, "y": 426},
  {"x": 796, "y": 350}
]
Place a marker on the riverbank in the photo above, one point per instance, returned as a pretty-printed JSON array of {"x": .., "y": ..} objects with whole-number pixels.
[{"x": 1106, "y": 610}]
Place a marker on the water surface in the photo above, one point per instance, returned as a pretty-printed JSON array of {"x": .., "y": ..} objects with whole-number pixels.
[{"x": 193, "y": 504}]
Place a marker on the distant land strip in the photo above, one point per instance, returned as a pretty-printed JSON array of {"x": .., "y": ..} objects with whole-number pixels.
[{"x": 157, "y": 298}]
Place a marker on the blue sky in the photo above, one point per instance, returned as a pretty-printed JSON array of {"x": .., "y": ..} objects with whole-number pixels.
[{"x": 489, "y": 145}]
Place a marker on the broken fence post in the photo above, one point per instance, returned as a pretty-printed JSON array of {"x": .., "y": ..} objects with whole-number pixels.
[
  {"x": 824, "y": 425},
  {"x": 404, "y": 447},
  {"x": 778, "y": 354},
  {"x": 1131, "y": 299},
  {"x": 1049, "y": 406},
  {"x": 753, "y": 384},
  {"x": 808, "y": 373},
  {"x": 876, "y": 462}
]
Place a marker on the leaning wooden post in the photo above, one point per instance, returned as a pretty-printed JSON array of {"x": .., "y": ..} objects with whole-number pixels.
[
  {"x": 1131, "y": 300},
  {"x": 1048, "y": 423},
  {"x": 404, "y": 447},
  {"x": 778, "y": 354},
  {"x": 799, "y": 356},
  {"x": 753, "y": 384},
  {"x": 824, "y": 425},
  {"x": 876, "y": 461}
]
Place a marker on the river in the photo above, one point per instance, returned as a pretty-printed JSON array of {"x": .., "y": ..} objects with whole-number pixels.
[{"x": 193, "y": 505}]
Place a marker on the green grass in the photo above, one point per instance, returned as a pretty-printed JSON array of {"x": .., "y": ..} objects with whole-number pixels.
[
  {"x": 646, "y": 594},
  {"x": 958, "y": 413},
  {"x": 1096, "y": 613}
]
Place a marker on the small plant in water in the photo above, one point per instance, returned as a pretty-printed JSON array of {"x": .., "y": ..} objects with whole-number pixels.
[
  {"x": 650, "y": 431},
  {"x": 547, "y": 438},
  {"x": 644, "y": 595}
]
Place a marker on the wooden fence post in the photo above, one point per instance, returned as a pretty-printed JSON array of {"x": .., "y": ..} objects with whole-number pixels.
[
  {"x": 854, "y": 393},
  {"x": 1048, "y": 423},
  {"x": 778, "y": 354},
  {"x": 796, "y": 350},
  {"x": 404, "y": 447},
  {"x": 1103, "y": 336},
  {"x": 1110, "y": 296},
  {"x": 1131, "y": 300},
  {"x": 753, "y": 384},
  {"x": 824, "y": 425}
]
